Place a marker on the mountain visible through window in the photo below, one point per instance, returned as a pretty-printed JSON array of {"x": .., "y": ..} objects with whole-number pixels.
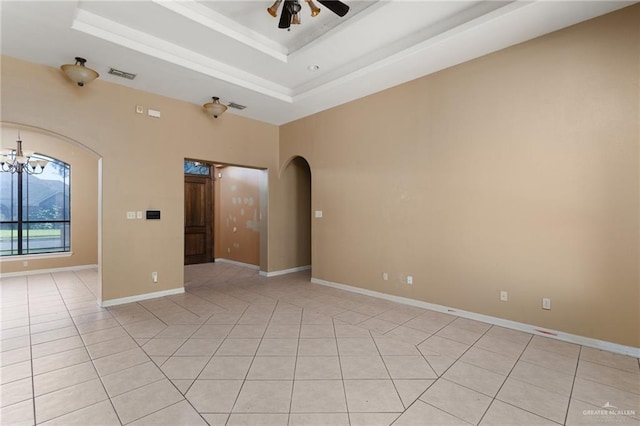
[{"x": 35, "y": 214}]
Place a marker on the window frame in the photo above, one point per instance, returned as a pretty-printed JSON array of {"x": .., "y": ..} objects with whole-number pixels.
[{"x": 21, "y": 225}]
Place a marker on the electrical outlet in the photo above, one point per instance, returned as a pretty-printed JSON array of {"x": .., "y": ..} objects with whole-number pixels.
[
  {"x": 410, "y": 279},
  {"x": 546, "y": 303},
  {"x": 154, "y": 277},
  {"x": 504, "y": 296},
  {"x": 385, "y": 276}
]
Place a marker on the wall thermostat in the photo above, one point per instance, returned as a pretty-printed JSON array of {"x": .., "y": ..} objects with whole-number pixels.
[{"x": 153, "y": 214}]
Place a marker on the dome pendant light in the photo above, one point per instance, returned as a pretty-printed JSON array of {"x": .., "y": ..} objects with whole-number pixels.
[
  {"x": 215, "y": 108},
  {"x": 79, "y": 73}
]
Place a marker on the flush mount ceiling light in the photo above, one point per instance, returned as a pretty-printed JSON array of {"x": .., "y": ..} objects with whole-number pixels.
[
  {"x": 78, "y": 73},
  {"x": 215, "y": 108},
  {"x": 290, "y": 11}
]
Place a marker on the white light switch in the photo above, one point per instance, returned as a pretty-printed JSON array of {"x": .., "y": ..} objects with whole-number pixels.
[
  {"x": 318, "y": 213},
  {"x": 138, "y": 215}
]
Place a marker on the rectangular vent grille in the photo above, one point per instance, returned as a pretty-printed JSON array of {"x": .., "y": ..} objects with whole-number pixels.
[
  {"x": 122, "y": 74},
  {"x": 235, "y": 105}
]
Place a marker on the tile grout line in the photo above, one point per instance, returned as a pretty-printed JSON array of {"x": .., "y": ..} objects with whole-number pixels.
[
  {"x": 184, "y": 398},
  {"x": 295, "y": 364},
  {"x": 573, "y": 385},
  {"x": 509, "y": 376},
  {"x": 389, "y": 373},
  {"x": 252, "y": 359},
  {"x": 170, "y": 356},
  {"x": 495, "y": 397},
  {"x": 33, "y": 385},
  {"x": 90, "y": 358},
  {"x": 439, "y": 377},
  {"x": 344, "y": 387}
]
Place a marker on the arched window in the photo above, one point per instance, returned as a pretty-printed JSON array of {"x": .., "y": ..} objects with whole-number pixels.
[{"x": 35, "y": 214}]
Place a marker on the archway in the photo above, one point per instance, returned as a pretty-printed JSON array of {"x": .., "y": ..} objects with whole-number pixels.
[
  {"x": 86, "y": 210},
  {"x": 296, "y": 189}
]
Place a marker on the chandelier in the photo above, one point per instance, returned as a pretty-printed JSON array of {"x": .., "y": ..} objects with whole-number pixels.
[{"x": 18, "y": 161}]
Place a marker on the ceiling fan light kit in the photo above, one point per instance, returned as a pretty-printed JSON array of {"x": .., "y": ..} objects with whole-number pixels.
[
  {"x": 79, "y": 73},
  {"x": 290, "y": 14},
  {"x": 315, "y": 10},
  {"x": 273, "y": 10}
]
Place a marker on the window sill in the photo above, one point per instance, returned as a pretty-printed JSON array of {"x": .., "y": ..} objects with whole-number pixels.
[{"x": 26, "y": 257}]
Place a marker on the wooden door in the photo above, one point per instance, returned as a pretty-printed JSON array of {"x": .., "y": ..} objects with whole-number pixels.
[{"x": 198, "y": 219}]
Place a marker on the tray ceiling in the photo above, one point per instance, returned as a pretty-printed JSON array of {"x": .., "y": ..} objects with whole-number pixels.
[{"x": 192, "y": 50}]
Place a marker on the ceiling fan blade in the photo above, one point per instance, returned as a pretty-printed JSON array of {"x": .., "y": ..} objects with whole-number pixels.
[
  {"x": 285, "y": 16},
  {"x": 336, "y": 7}
]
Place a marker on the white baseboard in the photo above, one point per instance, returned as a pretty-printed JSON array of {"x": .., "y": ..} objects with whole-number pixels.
[
  {"x": 284, "y": 271},
  {"x": 233, "y": 262},
  {"x": 527, "y": 328},
  {"x": 47, "y": 271},
  {"x": 139, "y": 297}
]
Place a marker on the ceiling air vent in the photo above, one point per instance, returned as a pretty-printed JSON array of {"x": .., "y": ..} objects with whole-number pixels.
[
  {"x": 235, "y": 105},
  {"x": 122, "y": 74}
]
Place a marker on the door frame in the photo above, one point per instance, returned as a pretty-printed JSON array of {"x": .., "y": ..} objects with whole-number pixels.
[
  {"x": 209, "y": 205},
  {"x": 264, "y": 207}
]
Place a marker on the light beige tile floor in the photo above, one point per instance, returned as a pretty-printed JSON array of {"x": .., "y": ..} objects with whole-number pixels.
[{"x": 240, "y": 349}]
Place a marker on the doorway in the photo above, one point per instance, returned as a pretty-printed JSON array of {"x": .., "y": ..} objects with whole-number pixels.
[
  {"x": 296, "y": 184},
  {"x": 225, "y": 214},
  {"x": 198, "y": 213}
]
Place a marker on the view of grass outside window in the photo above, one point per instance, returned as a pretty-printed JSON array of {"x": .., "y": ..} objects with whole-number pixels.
[{"x": 35, "y": 219}]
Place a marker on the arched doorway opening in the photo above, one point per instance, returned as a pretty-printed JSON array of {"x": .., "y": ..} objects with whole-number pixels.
[
  {"x": 85, "y": 221},
  {"x": 296, "y": 183}
]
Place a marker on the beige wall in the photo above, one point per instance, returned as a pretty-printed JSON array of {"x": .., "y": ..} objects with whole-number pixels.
[
  {"x": 238, "y": 211},
  {"x": 142, "y": 161},
  {"x": 517, "y": 171},
  {"x": 84, "y": 197}
]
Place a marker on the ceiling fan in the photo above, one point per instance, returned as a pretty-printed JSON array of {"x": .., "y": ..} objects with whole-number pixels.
[{"x": 291, "y": 9}]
